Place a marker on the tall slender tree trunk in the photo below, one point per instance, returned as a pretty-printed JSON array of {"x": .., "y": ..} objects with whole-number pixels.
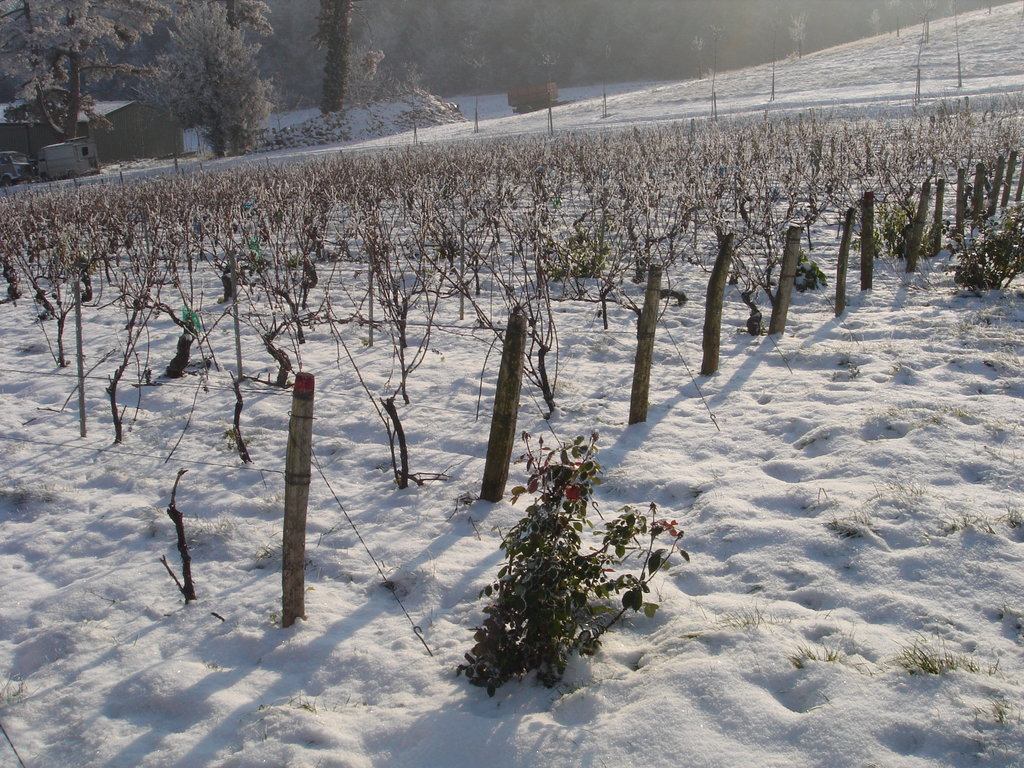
[
  {"x": 74, "y": 95},
  {"x": 335, "y": 18}
]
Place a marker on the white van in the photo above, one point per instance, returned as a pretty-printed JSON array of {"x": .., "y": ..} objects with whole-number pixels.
[{"x": 76, "y": 157}]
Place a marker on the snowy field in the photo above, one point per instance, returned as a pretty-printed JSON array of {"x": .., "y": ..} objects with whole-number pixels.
[{"x": 851, "y": 493}]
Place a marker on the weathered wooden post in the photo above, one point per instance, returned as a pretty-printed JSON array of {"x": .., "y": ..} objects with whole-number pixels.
[
  {"x": 296, "y": 500},
  {"x": 997, "y": 187},
  {"x": 961, "y": 201},
  {"x": 787, "y": 278},
  {"x": 913, "y": 247},
  {"x": 714, "y": 303},
  {"x": 1011, "y": 168},
  {"x": 935, "y": 241},
  {"x": 1020, "y": 186},
  {"x": 844, "y": 260},
  {"x": 369, "y": 298},
  {"x": 506, "y": 409},
  {"x": 978, "y": 201},
  {"x": 638, "y": 399},
  {"x": 233, "y": 288},
  {"x": 867, "y": 241},
  {"x": 79, "y": 349},
  {"x": 462, "y": 270}
]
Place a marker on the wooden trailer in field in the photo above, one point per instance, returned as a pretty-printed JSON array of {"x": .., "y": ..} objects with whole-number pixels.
[{"x": 533, "y": 98}]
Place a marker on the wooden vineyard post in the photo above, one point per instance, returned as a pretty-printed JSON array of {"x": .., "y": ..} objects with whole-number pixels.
[
  {"x": 296, "y": 500},
  {"x": 844, "y": 260},
  {"x": 867, "y": 241},
  {"x": 79, "y": 350},
  {"x": 506, "y": 409},
  {"x": 233, "y": 270},
  {"x": 638, "y": 399},
  {"x": 714, "y": 303},
  {"x": 913, "y": 251},
  {"x": 935, "y": 241},
  {"x": 978, "y": 202},
  {"x": 369, "y": 298},
  {"x": 961, "y": 201},
  {"x": 1011, "y": 168},
  {"x": 787, "y": 278},
  {"x": 462, "y": 270},
  {"x": 997, "y": 187},
  {"x": 1020, "y": 185}
]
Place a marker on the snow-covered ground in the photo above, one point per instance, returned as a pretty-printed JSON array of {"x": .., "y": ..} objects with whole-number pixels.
[{"x": 852, "y": 496}]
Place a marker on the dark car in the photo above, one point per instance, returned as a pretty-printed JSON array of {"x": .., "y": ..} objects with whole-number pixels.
[{"x": 15, "y": 167}]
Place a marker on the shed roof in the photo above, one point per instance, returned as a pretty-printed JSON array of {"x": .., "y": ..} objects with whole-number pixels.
[{"x": 103, "y": 108}]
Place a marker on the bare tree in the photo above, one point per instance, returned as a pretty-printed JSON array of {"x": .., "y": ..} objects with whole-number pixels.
[{"x": 798, "y": 32}]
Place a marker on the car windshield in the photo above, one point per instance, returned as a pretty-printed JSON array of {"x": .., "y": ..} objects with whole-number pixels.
[{"x": 13, "y": 157}]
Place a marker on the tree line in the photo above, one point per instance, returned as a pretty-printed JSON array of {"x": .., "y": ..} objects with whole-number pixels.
[{"x": 222, "y": 65}]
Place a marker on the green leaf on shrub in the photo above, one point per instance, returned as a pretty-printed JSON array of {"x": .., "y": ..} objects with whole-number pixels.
[
  {"x": 655, "y": 563},
  {"x": 633, "y": 600},
  {"x": 555, "y": 594}
]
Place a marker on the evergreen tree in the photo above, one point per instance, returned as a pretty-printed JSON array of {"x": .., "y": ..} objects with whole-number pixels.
[
  {"x": 208, "y": 79},
  {"x": 335, "y": 36},
  {"x": 248, "y": 13}
]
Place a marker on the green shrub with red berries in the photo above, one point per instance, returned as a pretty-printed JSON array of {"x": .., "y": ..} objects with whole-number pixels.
[{"x": 556, "y": 593}]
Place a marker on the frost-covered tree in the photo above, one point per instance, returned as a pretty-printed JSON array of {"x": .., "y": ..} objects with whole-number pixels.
[
  {"x": 335, "y": 36},
  {"x": 798, "y": 32},
  {"x": 875, "y": 20},
  {"x": 927, "y": 9},
  {"x": 247, "y": 13},
  {"x": 52, "y": 48},
  {"x": 208, "y": 79},
  {"x": 895, "y": 5}
]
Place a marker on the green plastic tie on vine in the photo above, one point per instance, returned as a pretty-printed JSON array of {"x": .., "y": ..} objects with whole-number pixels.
[{"x": 191, "y": 321}]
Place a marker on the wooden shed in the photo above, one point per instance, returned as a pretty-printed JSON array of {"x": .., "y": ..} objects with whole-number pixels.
[{"x": 136, "y": 131}]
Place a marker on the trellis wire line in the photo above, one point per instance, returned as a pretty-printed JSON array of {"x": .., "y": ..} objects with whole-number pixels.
[
  {"x": 693, "y": 379},
  {"x": 188, "y": 421},
  {"x": 66, "y": 446},
  {"x": 323, "y": 393},
  {"x": 779, "y": 350},
  {"x": 171, "y": 383},
  {"x": 13, "y": 748},
  {"x": 842, "y": 322},
  {"x": 416, "y": 629}
]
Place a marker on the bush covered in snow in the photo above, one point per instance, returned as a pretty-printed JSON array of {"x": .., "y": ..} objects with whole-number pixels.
[
  {"x": 995, "y": 256},
  {"x": 413, "y": 108}
]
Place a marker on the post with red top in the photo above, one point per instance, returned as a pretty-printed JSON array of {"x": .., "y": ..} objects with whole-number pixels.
[{"x": 296, "y": 500}]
